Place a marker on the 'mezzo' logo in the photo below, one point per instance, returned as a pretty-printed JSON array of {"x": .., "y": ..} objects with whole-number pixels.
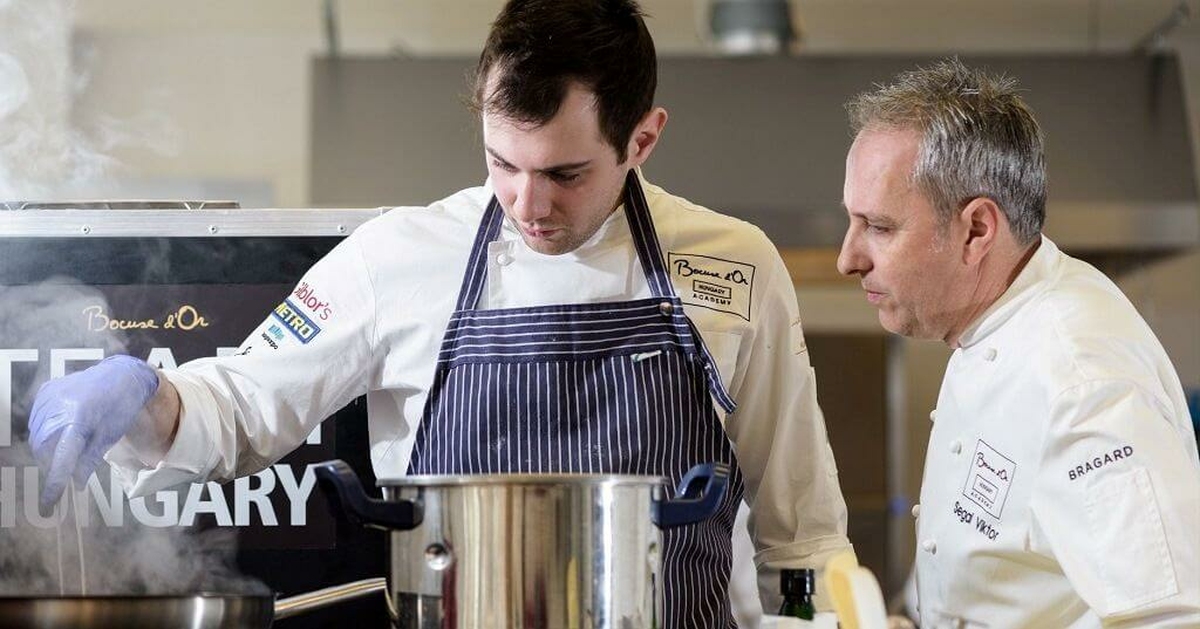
[{"x": 308, "y": 297}]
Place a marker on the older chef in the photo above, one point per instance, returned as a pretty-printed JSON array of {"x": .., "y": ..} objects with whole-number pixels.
[
  {"x": 1062, "y": 484},
  {"x": 566, "y": 316}
]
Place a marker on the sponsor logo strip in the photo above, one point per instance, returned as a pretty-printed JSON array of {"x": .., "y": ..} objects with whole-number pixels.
[{"x": 296, "y": 322}]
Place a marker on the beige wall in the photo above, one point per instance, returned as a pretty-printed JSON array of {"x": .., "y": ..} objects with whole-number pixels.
[
  {"x": 201, "y": 106},
  {"x": 1167, "y": 294}
]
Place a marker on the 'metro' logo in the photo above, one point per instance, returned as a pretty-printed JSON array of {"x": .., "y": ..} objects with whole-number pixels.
[{"x": 295, "y": 321}]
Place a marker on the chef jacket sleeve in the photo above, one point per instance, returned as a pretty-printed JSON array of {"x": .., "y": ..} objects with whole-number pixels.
[
  {"x": 1117, "y": 504},
  {"x": 797, "y": 512},
  {"x": 311, "y": 356}
]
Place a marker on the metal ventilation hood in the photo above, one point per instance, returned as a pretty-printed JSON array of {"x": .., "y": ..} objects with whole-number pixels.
[
  {"x": 765, "y": 138},
  {"x": 1121, "y": 175}
]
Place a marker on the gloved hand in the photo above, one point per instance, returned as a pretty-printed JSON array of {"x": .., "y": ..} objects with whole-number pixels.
[{"x": 77, "y": 418}]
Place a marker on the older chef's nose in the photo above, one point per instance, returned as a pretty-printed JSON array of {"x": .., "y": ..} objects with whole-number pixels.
[
  {"x": 532, "y": 201},
  {"x": 851, "y": 258}
]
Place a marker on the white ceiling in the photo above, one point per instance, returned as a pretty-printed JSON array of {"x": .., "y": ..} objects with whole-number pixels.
[{"x": 447, "y": 27}]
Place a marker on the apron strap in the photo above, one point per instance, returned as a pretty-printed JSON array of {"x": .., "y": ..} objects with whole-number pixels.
[
  {"x": 473, "y": 279},
  {"x": 645, "y": 238}
]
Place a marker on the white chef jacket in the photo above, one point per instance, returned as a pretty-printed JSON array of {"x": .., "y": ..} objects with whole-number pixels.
[
  {"x": 1062, "y": 483},
  {"x": 372, "y": 314}
]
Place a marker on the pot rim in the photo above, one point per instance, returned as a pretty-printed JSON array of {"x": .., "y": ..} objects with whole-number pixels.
[{"x": 529, "y": 480}]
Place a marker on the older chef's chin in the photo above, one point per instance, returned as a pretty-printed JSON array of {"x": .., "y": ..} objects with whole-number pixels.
[{"x": 892, "y": 318}]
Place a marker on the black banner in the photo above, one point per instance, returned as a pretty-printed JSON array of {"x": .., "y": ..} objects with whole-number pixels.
[
  {"x": 73, "y": 326},
  {"x": 68, "y": 302}
]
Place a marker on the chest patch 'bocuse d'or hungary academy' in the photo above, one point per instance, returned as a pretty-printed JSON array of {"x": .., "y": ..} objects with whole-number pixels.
[
  {"x": 989, "y": 479},
  {"x": 713, "y": 283}
]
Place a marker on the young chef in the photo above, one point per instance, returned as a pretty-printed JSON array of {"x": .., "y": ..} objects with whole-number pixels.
[
  {"x": 566, "y": 316},
  {"x": 1062, "y": 484}
]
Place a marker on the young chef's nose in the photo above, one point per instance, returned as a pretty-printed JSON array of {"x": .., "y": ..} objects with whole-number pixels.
[{"x": 532, "y": 201}]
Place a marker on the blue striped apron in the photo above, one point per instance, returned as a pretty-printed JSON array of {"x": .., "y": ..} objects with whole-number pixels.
[{"x": 599, "y": 388}]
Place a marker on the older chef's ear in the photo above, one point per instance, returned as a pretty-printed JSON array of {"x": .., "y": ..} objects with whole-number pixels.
[
  {"x": 983, "y": 219},
  {"x": 645, "y": 136}
]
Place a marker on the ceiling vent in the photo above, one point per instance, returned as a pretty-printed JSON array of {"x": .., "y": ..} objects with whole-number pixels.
[{"x": 752, "y": 27}]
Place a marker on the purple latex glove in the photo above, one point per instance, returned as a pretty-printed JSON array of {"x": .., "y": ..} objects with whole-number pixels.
[{"x": 77, "y": 418}]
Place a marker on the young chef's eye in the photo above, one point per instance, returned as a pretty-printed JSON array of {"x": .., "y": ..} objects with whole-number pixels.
[
  {"x": 563, "y": 177},
  {"x": 505, "y": 166}
]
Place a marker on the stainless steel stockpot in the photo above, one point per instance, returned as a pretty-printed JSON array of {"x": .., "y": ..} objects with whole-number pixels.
[{"x": 527, "y": 551}]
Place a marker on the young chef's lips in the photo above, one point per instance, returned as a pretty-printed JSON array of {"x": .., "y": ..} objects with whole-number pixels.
[{"x": 539, "y": 233}]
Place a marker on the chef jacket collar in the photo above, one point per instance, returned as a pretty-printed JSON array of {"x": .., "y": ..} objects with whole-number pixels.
[
  {"x": 614, "y": 228},
  {"x": 1030, "y": 282}
]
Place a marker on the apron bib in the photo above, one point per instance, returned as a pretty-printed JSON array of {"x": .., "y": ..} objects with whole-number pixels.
[{"x": 601, "y": 388}]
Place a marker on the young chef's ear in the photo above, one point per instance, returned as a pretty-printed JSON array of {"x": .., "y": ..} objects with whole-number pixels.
[
  {"x": 983, "y": 220},
  {"x": 645, "y": 136}
]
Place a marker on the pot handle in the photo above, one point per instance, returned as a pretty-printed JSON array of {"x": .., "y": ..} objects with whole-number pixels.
[
  {"x": 302, "y": 603},
  {"x": 346, "y": 494},
  {"x": 696, "y": 499}
]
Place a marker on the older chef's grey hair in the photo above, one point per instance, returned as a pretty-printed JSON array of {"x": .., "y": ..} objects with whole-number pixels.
[{"x": 978, "y": 139}]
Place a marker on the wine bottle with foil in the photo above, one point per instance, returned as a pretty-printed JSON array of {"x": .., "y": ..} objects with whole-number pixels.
[{"x": 797, "y": 587}]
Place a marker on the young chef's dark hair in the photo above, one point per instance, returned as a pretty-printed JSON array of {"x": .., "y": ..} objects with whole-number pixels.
[{"x": 537, "y": 48}]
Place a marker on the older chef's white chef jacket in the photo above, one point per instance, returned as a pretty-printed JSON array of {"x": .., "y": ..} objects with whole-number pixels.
[
  {"x": 378, "y": 305},
  {"x": 1062, "y": 484}
]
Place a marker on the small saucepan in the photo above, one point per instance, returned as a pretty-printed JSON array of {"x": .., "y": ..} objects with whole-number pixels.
[{"x": 193, "y": 611}]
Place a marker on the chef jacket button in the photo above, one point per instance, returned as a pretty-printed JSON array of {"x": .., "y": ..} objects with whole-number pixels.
[
  {"x": 956, "y": 446},
  {"x": 504, "y": 259},
  {"x": 990, "y": 354},
  {"x": 666, "y": 308},
  {"x": 933, "y": 415},
  {"x": 916, "y": 511},
  {"x": 929, "y": 546}
]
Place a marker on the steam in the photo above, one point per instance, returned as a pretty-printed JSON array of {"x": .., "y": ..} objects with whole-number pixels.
[
  {"x": 131, "y": 559},
  {"x": 15, "y": 83},
  {"x": 38, "y": 148},
  {"x": 123, "y": 554},
  {"x": 47, "y": 315},
  {"x": 46, "y": 149},
  {"x": 44, "y": 154}
]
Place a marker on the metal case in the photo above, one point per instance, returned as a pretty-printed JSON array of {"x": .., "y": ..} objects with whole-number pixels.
[{"x": 170, "y": 282}]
